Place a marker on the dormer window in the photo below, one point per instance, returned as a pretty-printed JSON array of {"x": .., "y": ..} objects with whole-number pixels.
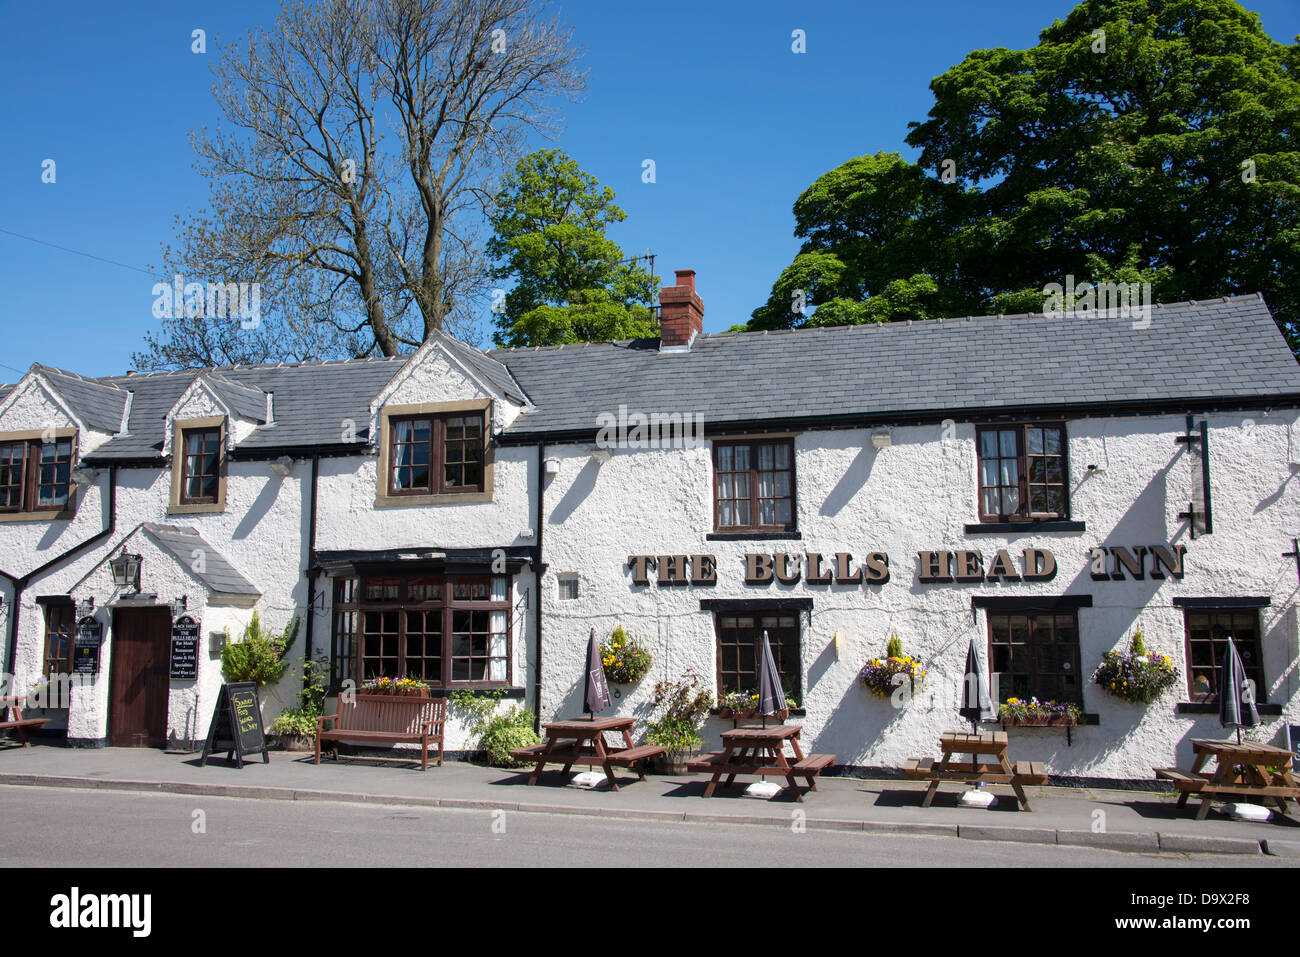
[
  {"x": 201, "y": 478},
  {"x": 436, "y": 454},
  {"x": 198, "y": 453},
  {"x": 35, "y": 476}
]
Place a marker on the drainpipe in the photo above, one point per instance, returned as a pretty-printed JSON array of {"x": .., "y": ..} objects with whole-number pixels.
[
  {"x": 20, "y": 583},
  {"x": 538, "y": 569},
  {"x": 311, "y": 558}
]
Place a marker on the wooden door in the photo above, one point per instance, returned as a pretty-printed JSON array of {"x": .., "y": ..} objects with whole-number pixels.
[{"x": 138, "y": 687}]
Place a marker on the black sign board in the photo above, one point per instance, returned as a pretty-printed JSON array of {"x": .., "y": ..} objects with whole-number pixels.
[
  {"x": 86, "y": 643},
  {"x": 1293, "y": 730},
  {"x": 185, "y": 648},
  {"x": 236, "y": 726}
]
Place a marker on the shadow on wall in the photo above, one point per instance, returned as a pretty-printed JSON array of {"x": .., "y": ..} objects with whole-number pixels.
[
  {"x": 261, "y": 505},
  {"x": 850, "y": 483},
  {"x": 577, "y": 493}
]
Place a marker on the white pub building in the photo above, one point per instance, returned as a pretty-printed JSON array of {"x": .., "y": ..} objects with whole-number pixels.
[{"x": 1045, "y": 485}]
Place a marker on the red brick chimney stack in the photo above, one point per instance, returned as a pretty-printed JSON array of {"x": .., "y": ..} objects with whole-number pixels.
[{"x": 681, "y": 312}]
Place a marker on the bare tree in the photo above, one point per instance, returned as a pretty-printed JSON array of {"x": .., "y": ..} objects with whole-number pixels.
[{"x": 360, "y": 142}]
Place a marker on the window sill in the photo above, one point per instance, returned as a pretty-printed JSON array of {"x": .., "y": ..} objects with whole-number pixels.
[
  {"x": 506, "y": 693},
  {"x": 46, "y": 516},
  {"x": 1024, "y": 528},
  {"x": 753, "y": 536},
  {"x": 443, "y": 498},
  {"x": 208, "y": 508},
  {"x": 1212, "y": 707}
]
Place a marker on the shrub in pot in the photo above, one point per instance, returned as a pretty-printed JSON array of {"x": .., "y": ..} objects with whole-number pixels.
[{"x": 685, "y": 703}]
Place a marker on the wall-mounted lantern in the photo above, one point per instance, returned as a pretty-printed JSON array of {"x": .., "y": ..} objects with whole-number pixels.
[
  {"x": 125, "y": 569},
  {"x": 180, "y": 605}
]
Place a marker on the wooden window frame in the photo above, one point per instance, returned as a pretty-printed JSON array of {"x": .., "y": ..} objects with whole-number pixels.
[
  {"x": 446, "y": 604},
  {"x": 780, "y": 650},
  {"x": 1257, "y": 648},
  {"x": 437, "y": 422},
  {"x": 178, "y": 503},
  {"x": 1026, "y": 516},
  {"x": 387, "y": 497},
  {"x": 1031, "y": 615},
  {"x": 29, "y": 490},
  {"x": 59, "y": 614},
  {"x": 186, "y": 474},
  {"x": 753, "y": 445}
]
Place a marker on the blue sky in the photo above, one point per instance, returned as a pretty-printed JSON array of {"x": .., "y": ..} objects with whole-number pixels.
[{"x": 736, "y": 123}]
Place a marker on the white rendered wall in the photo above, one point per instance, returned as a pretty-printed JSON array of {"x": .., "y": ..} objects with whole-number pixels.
[{"x": 918, "y": 495}]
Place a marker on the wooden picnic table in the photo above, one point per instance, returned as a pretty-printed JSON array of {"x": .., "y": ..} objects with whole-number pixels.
[
  {"x": 1248, "y": 769},
  {"x": 582, "y": 741},
  {"x": 12, "y": 706},
  {"x": 975, "y": 769},
  {"x": 761, "y": 751}
]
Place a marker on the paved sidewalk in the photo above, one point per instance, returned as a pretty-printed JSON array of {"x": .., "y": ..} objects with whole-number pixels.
[{"x": 1117, "y": 820}]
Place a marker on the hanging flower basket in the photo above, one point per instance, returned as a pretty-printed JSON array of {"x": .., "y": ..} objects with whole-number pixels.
[
  {"x": 625, "y": 661},
  {"x": 1135, "y": 675},
  {"x": 881, "y": 676}
]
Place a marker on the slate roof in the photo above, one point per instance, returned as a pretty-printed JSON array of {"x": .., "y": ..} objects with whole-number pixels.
[
  {"x": 218, "y": 574},
  {"x": 244, "y": 400},
  {"x": 1222, "y": 349},
  {"x": 96, "y": 402}
]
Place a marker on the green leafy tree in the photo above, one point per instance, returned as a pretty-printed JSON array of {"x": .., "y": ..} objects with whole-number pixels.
[
  {"x": 572, "y": 283},
  {"x": 1140, "y": 140}
]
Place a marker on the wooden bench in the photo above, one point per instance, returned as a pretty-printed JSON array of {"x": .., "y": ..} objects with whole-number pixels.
[
  {"x": 1031, "y": 772},
  {"x": 623, "y": 757},
  {"x": 16, "y": 722},
  {"x": 1245, "y": 769},
  {"x": 387, "y": 719}
]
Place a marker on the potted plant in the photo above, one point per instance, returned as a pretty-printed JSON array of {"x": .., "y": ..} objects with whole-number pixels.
[
  {"x": 260, "y": 656},
  {"x": 1018, "y": 712},
  {"x": 880, "y": 675},
  {"x": 685, "y": 703},
  {"x": 1136, "y": 676},
  {"x": 295, "y": 728},
  {"x": 626, "y": 661}
]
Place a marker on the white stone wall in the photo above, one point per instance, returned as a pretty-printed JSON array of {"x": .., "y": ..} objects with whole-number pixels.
[{"x": 918, "y": 495}]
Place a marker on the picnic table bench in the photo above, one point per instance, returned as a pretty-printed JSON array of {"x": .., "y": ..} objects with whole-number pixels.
[
  {"x": 1248, "y": 769},
  {"x": 973, "y": 769},
  {"x": 583, "y": 742},
  {"x": 761, "y": 751},
  {"x": 386, "y": 719},
  {"x": 13, "y": 706}
]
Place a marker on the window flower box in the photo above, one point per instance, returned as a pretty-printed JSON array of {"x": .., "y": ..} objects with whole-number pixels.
[
  {"x": 395, "y": 688},
  {"x": 1019, "y": 713}
]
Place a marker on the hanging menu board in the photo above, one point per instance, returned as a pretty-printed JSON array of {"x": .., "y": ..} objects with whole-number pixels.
[
  {"x": 236, "y": 726},
  {"x": 185, "y": 648},
  {"x": 86, "y": 642}
]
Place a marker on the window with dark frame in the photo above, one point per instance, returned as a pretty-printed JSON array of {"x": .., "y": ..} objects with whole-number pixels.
[
  {"x": 754, "y": 485},
  {"x": 35, "y": 476},
  {"x": 739, "y": 640},
  {"x": 1022, "y": 472},
  {"x": 201, "y": 466},
  {"x": 59, "y": 619},
  {"x": 448, "y": 630},
  {"x": 1206, "y": 634},
  {"x": 436, "y": 454},
  {"x": 1035, "y": 654}
]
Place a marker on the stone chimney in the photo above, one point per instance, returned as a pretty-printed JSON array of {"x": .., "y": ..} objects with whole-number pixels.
[{"x": 681, "y": 313}]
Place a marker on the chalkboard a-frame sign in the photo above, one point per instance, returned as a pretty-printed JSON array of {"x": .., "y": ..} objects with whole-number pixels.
[{"x": 236, "y": 725}]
